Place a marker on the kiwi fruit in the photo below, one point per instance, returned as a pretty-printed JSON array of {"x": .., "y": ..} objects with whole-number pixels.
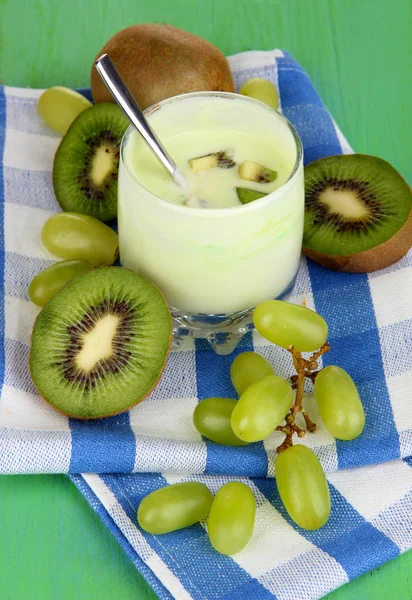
[
  {"x": 211, "y": 161},
  {"x": 159, "y": 61},
  {"x": 252, "y": 171},
  {"x": 247, "y": 195},
  {"x": 86, "y": 163},
  {"x": 100, "y": 344},
  {"x": 358, "y": 213}
]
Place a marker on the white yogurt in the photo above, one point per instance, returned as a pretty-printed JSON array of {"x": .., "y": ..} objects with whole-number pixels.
[{"x": 230, "y": 256}]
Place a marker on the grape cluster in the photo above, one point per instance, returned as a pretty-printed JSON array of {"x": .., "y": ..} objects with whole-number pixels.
[{"x": 266, "y": 403}]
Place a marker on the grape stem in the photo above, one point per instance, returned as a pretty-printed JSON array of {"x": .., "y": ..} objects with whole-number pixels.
[{"x": 305, "y": 368}]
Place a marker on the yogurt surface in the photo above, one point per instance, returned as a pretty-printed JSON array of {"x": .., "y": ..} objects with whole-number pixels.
[{"x": 216, "y": 186}]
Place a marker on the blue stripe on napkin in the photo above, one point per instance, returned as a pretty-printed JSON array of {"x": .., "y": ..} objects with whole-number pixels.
[
  {"x": 213, "y": 380},
  {"x": 107, "y": 444},
  {"x": 311, "y": 118},
  {"x": 344, "y": 300}
]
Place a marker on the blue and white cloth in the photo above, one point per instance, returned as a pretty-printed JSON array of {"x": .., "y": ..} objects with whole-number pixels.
[{"x": 154, "y": 444}]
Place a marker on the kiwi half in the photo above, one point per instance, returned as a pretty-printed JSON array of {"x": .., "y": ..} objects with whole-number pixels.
[
  {"x": 358, "y": 213},
  {"x": 100, "y": 344},
  {"x": 87, "y": 161}
]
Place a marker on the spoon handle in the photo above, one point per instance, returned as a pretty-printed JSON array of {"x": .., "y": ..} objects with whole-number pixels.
[{"x": 125, "y": 100}]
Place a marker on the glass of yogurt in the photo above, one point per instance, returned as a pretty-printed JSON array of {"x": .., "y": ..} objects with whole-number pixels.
[{"x": 230, "y": 239}]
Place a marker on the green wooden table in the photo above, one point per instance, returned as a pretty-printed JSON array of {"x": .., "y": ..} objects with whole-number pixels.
[{"x": 359, "y": 54}]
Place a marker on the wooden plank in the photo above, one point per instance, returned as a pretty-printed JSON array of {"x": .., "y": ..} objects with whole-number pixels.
[{"x": 54, "y": 547}]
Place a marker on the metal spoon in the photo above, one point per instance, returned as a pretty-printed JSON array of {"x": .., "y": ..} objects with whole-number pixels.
[{"x": 127, "y": 103}]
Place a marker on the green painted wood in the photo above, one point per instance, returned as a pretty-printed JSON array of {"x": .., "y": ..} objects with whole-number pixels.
[
  {"x": 54, "y": 547},
  {"x": 359, "y": 54}
]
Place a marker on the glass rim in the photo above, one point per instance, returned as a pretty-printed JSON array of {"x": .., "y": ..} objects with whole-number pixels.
[{"x": 218, "y": 212}]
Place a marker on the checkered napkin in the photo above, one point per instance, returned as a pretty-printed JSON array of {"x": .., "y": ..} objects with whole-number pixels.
[{"x": 370, "y": 324}]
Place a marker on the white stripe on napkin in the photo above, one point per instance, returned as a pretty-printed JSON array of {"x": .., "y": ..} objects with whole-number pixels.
[
  {"x": 22, "y": 149},
  {"x": 21, "y": 410},
  {"x": 22, "y": 92},
  {"x": 392, "y": 296},
  {"x": 377, "y": 486},
  {"x": 22, "y": 230}
]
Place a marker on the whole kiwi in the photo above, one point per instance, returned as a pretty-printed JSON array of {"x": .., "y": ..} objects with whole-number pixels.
[{"x": 159, "y": 61}]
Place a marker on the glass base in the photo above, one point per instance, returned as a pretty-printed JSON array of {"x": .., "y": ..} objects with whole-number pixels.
[{"x": 223, "y": 332}]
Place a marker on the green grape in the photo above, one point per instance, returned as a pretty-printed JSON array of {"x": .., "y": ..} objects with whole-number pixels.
[
  {"x": 287, "y": 325},
  {"x": 48, "y": 282},
  {"x": 212, "y": 419},
  {"x": 261, "y": 408},
  {"x": 261, "y": 89},
  {"x": 174, "y": 507},
  {"x": 59, "y": 106},
  {"x": 76, "y": 236},
  {"x": 339, "y": 404},
  {"x": 247, "y": 368},
  {"x": 232, "y": 518},
  {"x": 303, "y": 487}
]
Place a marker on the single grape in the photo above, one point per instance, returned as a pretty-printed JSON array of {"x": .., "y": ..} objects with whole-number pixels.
[
  {"x": 261, "y": 89},
  {"x": 59, "y": 106},
  {"x": 247, "y": 368},
  {"x": 212, "y": 419},
  {"x": 261, "y": 408},
  {"x": 48, "y": 282},
  {"x": 174, "y": 507},
  {"x": 232, "y": 518},
  {"x": 76, "y": 236},
  {"x": 303, "y": 487},
  {"x": 339, "y": 404},
  {"x": 286, "y": 324}
]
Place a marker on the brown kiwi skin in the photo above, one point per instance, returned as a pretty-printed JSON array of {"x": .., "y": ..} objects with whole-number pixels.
[
  {"x": 159, "y": 61},
  {"x": 376, "y": 258},
  {"x": 134, "y": 403}
]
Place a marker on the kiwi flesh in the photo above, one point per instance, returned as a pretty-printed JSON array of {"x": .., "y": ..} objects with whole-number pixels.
[
  {"x": 86, "y": 163},
  {"x": 100, "y": 344},
  {"x": 220, "y": 160},
  {"x": 252, "y": 171},
  {"x": 358, "y": 213},
  {"x": 246, "y": 195}
]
